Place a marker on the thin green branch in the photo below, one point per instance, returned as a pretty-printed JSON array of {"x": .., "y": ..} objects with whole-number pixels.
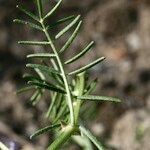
[
  {"x": 40, "y": 9},
  {"x": 66, "y": 83},
  {"x": 65, "y": 134},
  {"x": 80, "y": 85},
  {"x": 74, "y": 93}
]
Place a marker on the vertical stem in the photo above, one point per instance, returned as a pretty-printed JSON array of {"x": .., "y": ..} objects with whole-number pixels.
[
  {"x": 63, "y": 137},
  {"x": 69, "y": 98},
  {"x": 80, "y": 89},
  {"x": 40, "y": 9}
]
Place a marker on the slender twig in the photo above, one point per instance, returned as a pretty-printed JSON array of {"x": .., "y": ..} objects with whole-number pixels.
[{"x": 69, "y": 98}]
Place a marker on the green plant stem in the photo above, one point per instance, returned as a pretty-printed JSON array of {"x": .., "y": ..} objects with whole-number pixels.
[
  {"x": 80, "y": 90},
  {"x": 67, "y": 132},
  {"x": 69, "y": 98},
  {"x": 3, "y": 147}
]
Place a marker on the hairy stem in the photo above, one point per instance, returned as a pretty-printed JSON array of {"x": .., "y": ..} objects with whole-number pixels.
[
  {"x": 80, "y": 89},
  {"x": 69, "y": 98},
  {"x": 63, "y": 137}
]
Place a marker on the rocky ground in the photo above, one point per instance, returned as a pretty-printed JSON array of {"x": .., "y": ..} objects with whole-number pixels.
[{"x": 121, "y": 30}]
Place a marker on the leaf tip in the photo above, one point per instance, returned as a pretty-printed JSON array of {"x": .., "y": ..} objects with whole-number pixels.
[
  {"x": 103, "y": 58},
  {"x": 92, "y": 42},
  {"x": 14, "y": 20},
  {"x": 27, "y": 65},
  {"x": 118, "y": 101},
  {"x": 31, "y": 137},
  {"x": 29, "y": 56},
  {"x": 79, "y": 16}
]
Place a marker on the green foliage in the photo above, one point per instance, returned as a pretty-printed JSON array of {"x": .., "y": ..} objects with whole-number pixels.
[
  {"x": 44, "y": 130},
  {"x": 98, "y": 98},
  {"x": 3, "y": 147},
  {"x": 68, "y": 91},
  {"x": 84, "y": 51},
  {"x": 90, "y": 65},
  {"x": 87, "y": 133}
]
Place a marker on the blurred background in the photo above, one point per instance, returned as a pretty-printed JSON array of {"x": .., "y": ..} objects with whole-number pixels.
[{"x": 121, "y": 30}]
